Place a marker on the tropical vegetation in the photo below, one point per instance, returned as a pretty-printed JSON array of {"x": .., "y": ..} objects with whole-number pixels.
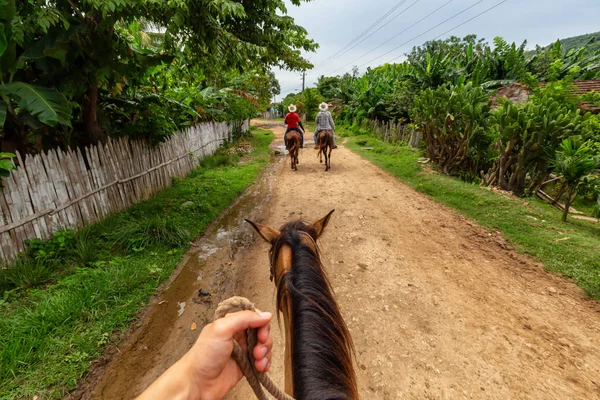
[
  {"x": 77, "y": 72},
  {"x": 444, "y": 90}
]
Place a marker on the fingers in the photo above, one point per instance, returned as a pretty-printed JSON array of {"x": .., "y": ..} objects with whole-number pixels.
[
  {"x": 226, "y": 328},
  {"x": 262, "y": 351},
  {"x": 263, "y": 364},
  {"x": 263, "y": 348}
]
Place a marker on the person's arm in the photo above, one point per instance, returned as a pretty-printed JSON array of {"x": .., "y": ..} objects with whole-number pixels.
[
  {"x": 300, "y": 123},
  {"x": 331, "y": 121},
  {"x": 207, "y": 371},
  {"x": 285, "y": 121}
]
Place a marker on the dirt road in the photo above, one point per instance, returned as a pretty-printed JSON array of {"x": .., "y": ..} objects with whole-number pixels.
[{"x": 438, "y": 307}]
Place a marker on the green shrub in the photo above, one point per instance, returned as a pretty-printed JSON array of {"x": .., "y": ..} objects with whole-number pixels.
[
  {"x": 453, "y": 120},
  {"x": 528, "y": 136},
  {"x": 85, "y": 251},
  {"x": 138, "y": 234},
  {"x": 61, "y": 244},
  {"x": 27, "y": 273}
]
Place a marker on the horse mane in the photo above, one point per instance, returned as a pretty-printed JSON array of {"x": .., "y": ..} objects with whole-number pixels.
[{"x": 322, "y": 347}]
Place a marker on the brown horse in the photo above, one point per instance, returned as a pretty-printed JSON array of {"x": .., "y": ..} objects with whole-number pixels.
[
  {"x": 318, "y": 346},
  {"x": 293, "y": 147},
  {"x": 324, "y": 143}
]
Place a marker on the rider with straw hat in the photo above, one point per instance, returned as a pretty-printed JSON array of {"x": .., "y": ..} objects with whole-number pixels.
[
  {"x": 293, "y": 122},
  {"x": 324, "y": 123}
]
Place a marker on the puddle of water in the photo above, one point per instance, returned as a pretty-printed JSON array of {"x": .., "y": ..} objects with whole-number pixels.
[
  {"x": 181, "y": 308},
  {"x": 206, "y": 252}
]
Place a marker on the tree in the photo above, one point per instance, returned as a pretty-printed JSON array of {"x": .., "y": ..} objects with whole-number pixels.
[
  {"x": 89, "y": 50},
  {"x": 327, "y": 86},
  {"x": 574, "y": 161}
]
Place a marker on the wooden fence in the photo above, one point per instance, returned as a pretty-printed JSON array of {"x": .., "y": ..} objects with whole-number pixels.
[
  {"x": 393, "y": 132},
  {"x": 59, "y": 190}
]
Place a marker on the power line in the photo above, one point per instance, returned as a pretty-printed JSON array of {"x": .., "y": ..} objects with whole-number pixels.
[
  {"x": 469, "y": 20},
  {"x": 459, "y": 25},
  {"x": 423, "y": 33},
  {"x": 375, "y": 31},
  {"x": 362, "y": 34},
  {"x": 395, "y": 36}
]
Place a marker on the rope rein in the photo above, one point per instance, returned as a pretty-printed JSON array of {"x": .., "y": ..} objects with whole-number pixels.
[{"x": 255, "y": 378}]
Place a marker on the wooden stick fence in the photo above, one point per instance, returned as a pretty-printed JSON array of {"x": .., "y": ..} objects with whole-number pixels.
[
  {"x": 59, "y": 190},
  {"x": 393, "y": 132}
]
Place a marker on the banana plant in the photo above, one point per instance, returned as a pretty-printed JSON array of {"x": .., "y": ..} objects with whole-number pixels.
[
  {"x": 47, "y": 105},
  {"x": 574, "y": 162}
]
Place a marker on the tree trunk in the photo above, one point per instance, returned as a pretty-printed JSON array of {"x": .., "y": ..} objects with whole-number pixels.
[
  {"x": 568, "y": 202},
  {"x": 560, "y": 194},
  {"x": 90, "y": 116}
]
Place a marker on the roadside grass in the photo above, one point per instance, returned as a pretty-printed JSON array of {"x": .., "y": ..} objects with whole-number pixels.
[
  {"x": 570, "y": 249},
  {"x": 62, "y": 304}
]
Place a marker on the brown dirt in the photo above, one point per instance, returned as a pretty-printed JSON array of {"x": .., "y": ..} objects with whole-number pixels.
[{"x": 438, "y": 307}]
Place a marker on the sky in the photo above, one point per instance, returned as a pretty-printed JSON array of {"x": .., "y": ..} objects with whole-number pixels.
[{"x": 336, "y": 24}]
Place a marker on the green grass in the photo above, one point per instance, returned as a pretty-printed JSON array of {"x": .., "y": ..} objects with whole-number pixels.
[
  {"x": 50, "y": 334},
  {"x": 571, "y": 249}
]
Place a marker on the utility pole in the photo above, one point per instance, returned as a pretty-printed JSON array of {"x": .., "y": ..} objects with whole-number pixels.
[{"x": 303, "y": 79}]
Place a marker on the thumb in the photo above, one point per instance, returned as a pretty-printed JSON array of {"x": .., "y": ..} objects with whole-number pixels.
[{"x": 233, "y": 323}]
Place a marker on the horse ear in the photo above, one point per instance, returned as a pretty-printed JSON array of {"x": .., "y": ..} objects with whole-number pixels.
[
  {"x": 269, "y": 234},
  {"x": 322, "y": 223}
]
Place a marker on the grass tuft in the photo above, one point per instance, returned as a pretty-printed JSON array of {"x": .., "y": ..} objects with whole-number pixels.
[{"x": 138, "y": 234}]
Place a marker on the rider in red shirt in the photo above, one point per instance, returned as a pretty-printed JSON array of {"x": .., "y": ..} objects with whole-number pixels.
[{"x": 293, "y": 121}]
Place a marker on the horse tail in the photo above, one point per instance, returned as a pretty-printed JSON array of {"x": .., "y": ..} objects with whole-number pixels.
[{"x": 294, "y": 147}]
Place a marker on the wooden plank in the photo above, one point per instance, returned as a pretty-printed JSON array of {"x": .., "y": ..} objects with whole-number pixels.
[
  {"x": 8, "y": 240},
  {"x": 111, "y": 168},
  {"x": 41, "y": 199},
  {"x": 70, "y": 184},
  {"x": 49, "y": 201},
  {"x": 66, "y": 217},
  {"x": 104, "y": 200},
  {"x": 110, "y": 174},
  {"x": 14, "y": 206},
  {"x": 97, "y": 200},
  {"x": 31, "y": 229},
  {"x": 86, "y": 187}
]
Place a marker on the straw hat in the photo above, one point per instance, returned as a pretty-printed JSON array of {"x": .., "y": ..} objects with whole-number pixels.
[
  {"x": 292, "y": 108},
  {"x": 323, "y": 107}
]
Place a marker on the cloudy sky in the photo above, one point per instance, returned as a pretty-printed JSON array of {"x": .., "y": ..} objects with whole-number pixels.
[{"x": 338, "y": 24}]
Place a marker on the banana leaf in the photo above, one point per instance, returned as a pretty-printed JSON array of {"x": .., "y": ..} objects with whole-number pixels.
[{"x": 46, "y": 104}]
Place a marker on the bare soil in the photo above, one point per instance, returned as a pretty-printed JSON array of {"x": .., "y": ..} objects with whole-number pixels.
[{"x": 438, "y": 307}]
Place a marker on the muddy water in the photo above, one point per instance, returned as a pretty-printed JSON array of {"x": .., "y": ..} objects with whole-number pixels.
[{"x": 165, "y": 331}]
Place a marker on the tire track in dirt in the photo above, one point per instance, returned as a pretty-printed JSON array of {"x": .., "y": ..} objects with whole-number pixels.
[{"x": 437, "y": 306}]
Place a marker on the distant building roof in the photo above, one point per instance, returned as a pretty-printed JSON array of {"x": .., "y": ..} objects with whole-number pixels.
[{"x": 519, "y": 93}]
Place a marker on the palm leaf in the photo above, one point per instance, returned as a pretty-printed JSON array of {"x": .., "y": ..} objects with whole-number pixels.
[{"x": 46, "y": 104}]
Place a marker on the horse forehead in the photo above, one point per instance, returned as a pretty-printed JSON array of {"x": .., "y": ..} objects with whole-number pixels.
[{"x": 284, "y": 257}]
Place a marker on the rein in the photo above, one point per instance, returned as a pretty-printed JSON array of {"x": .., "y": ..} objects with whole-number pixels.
[{"x": 255, "y": 378}]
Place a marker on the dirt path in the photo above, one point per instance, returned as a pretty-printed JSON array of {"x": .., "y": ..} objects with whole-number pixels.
[{"x": 437, "y": 306}]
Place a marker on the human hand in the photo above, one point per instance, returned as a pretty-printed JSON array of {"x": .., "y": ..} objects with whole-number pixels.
[
  {"x": 207, "y": 371},
  {"x": 213, "y": 369}
]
